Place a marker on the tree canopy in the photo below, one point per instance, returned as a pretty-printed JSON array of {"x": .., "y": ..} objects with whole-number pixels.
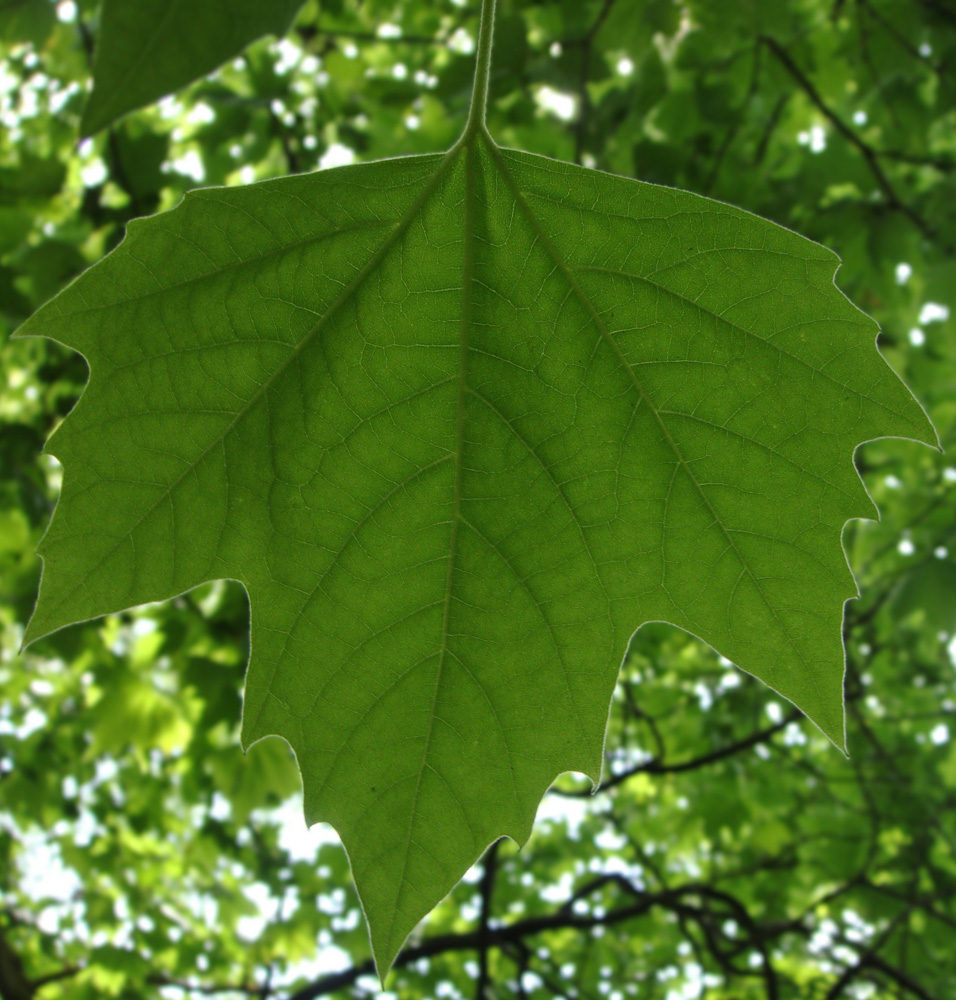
[{"x": 730, "y": 851}]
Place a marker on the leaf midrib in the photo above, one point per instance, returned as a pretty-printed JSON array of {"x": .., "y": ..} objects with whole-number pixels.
[{"x": 468, "y": 145}]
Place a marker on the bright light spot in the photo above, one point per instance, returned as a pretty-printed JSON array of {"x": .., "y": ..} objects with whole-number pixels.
[
  {"x": 939, "y": 734},
  {"x": 926, "y": 50},
  {"x": 933, "y": 311},
  {"x": 59, "y": 99},
  {"x": 531, "y": 981},
  {"x": 310, "y": 65},
  {"x": 774, "y": 712},
  {"x": 250, "y": 928},
  {"x": 399, "y": 71},
  {"x": 412, "y": 122},
  {"x": 93, "y": 173},
  {"x": 33, "y": 720},
  {"x": 906, "y": 547},
  {"x": 144, "y": 626},
  {"x": 610, "y": 840},
  {"x": 201, "y": 114},
  {"x": 560, "y": 105},
  {"x": 461, "y": 42},
  {"x": 169, "y": 107},
  {"x": 350, "y": 51},
  {"x": 190, "y": 164},
  {"x": 625, "y": 66},
  {"x": 44, "y": 875},
  {"x": 247, "y": 174},
  {"x": 106, "y": 771},
  {"x": 559, "y": 808},
  {"x": 892, "y": 483},
  {"x": 816, "y": 139},
  {"x": 289, "y": 56},
  {"x": 903, "y": 272},
  {"x": 66, "y": 11},
  {"x": 301, "y": 842},
  {"x": 859, "y": 117},
  {"x": 917, "y": 337},
  {"x": 941, "y": 552},
  {"x": 220, "y": 809},
  {"x": 949, "y": 475},
  {"x": 555, "y": 50},
  {"x": 8, "y": 81},
  {"x": 29, "y": 101},
  {"x": 389, "y": 31},
  {"x": 794, "y": 736},
  {"x": 336, "y": 155}
]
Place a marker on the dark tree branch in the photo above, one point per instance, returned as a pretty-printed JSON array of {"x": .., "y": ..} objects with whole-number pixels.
[
  {"x": 584, "y": 98},
  {"x": 732, "y": 132},
  {"x": 564, "y": 918},
  {"x": 14, "y": 984},
  {"x": 869, "y": 154},
  {"x": 897, "y": 35},
  {"x": 487, "y": 890},
  {"x": 658, "y": 766}
]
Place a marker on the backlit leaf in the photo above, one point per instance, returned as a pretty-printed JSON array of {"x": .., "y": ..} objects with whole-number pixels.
[{"x": 461, "y": 424}]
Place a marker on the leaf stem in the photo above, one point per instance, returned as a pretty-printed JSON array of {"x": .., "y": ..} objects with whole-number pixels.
[{"x": 479, "y": 94}]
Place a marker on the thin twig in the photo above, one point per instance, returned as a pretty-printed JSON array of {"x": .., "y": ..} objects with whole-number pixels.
[
  {"x": 487, "y": 890},
  {"x": 869, "y": 154},
  {"x": 657, "y": 766}
]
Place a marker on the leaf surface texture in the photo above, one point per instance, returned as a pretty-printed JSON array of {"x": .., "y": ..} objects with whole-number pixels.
[{"x": 460, "y": 424}]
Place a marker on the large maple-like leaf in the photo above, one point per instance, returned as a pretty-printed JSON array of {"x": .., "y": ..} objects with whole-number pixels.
[
  {"x": 149, "y": 48},
  {"x": 460, "y": 424}
]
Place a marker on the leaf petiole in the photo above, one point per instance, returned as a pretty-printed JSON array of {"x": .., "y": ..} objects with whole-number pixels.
[{"x": 479, "y": 94}]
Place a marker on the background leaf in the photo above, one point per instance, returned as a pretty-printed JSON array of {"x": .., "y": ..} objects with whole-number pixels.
[{"x": 150, "y": 48}]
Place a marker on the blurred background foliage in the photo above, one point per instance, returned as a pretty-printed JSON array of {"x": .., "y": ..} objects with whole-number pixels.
[{"x": 731, "y": 853}]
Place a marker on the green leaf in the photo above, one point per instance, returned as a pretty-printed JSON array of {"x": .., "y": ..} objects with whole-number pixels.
[
  {"x": 150, "y": 48},
  {"x": 460, "y": 425},
  {"x": 930, "y": 589},
  {"x": 26, "y": 21}
]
